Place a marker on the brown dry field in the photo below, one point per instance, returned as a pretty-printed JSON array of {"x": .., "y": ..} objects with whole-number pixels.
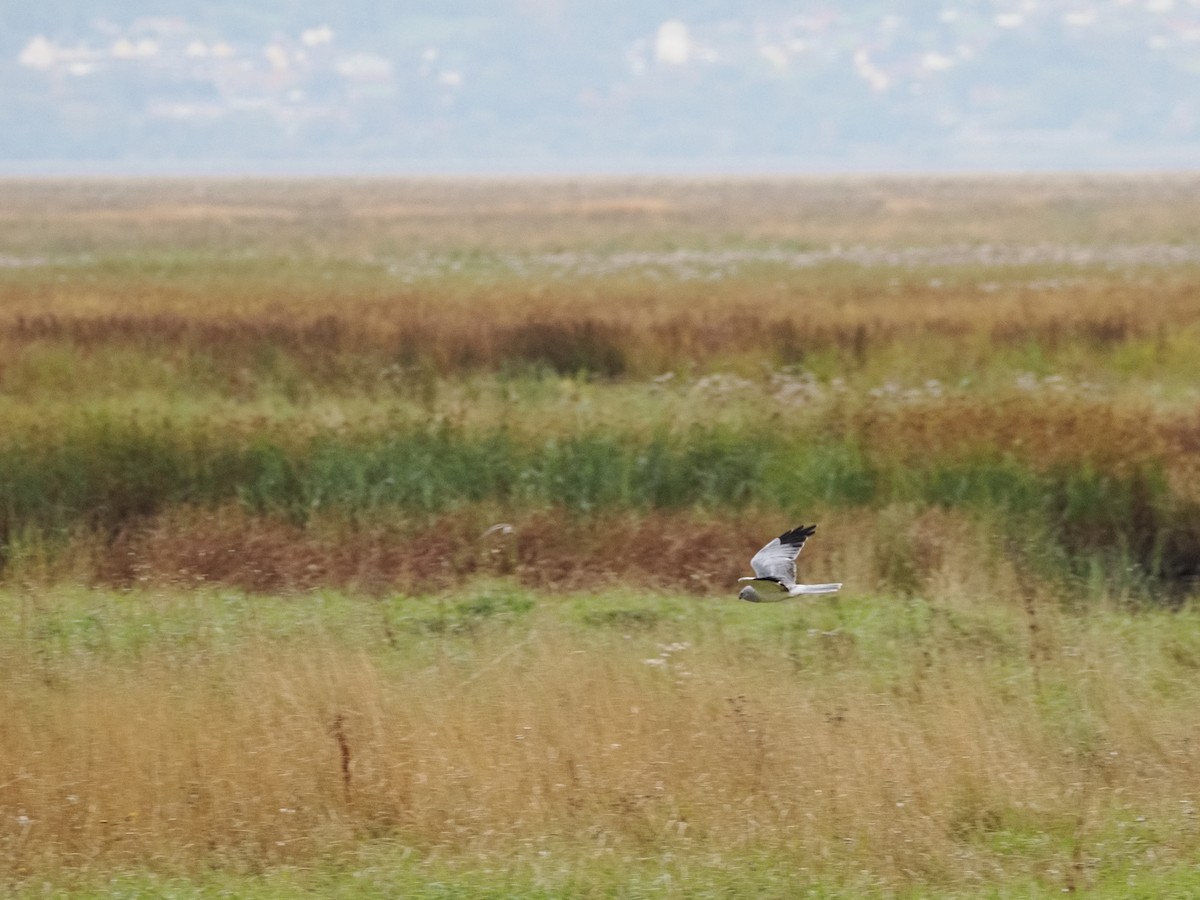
[
  {"x": 625, "y": 277},
  {"x": 347, "y": 216}
]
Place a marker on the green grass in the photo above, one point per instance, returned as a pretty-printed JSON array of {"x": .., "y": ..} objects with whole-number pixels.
[
  {"x": 108, "y": 474},
  {"x": 392, "y": 872}
]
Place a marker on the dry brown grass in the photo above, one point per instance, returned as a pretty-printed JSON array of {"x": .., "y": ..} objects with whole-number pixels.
[
  {"x": 920, "y": 745},
  {"x": 224, "y": 285},
  {"x": 1050, "y": 431},
  {"x": 548, "y": 549},
  {"x": 353, "y": 216},
  {"x": 901, "y": 548},
  {"x": 615, "y": 331},
  {"x": 318, "y": 264}
]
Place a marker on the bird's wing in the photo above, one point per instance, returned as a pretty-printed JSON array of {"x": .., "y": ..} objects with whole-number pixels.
[{"x": 777, "y": 560}]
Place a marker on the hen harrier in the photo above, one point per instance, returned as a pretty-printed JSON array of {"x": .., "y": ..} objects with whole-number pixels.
[{"x": 775, "y": 570}]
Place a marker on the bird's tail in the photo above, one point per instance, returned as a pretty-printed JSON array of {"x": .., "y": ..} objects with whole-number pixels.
[{"x": 813, "y": 588}]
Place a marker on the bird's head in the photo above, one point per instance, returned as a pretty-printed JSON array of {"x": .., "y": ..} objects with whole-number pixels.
[{"x": 749, "y": 593}]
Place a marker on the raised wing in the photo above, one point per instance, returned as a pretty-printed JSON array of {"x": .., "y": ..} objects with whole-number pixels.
[{"x": 777, "y": 560}]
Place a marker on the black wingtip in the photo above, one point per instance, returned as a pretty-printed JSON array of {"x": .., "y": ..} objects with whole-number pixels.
[{"x": 797, "y": 535}]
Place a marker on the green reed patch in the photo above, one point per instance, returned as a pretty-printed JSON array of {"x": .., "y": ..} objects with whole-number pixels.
[{"x": 104, "y": 474}]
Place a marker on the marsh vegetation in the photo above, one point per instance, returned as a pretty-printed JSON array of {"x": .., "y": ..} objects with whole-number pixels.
[{"x": 258, "y": 630}]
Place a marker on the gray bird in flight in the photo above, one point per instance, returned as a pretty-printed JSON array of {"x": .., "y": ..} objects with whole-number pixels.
[{"x": 775, "y": 570}]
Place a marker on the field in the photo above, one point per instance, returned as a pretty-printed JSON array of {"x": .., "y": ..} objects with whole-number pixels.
[{"x": 379, "y": 538}]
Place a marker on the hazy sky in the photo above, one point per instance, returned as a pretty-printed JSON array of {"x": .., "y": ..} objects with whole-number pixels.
[{"x": 564, "y": 85}]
